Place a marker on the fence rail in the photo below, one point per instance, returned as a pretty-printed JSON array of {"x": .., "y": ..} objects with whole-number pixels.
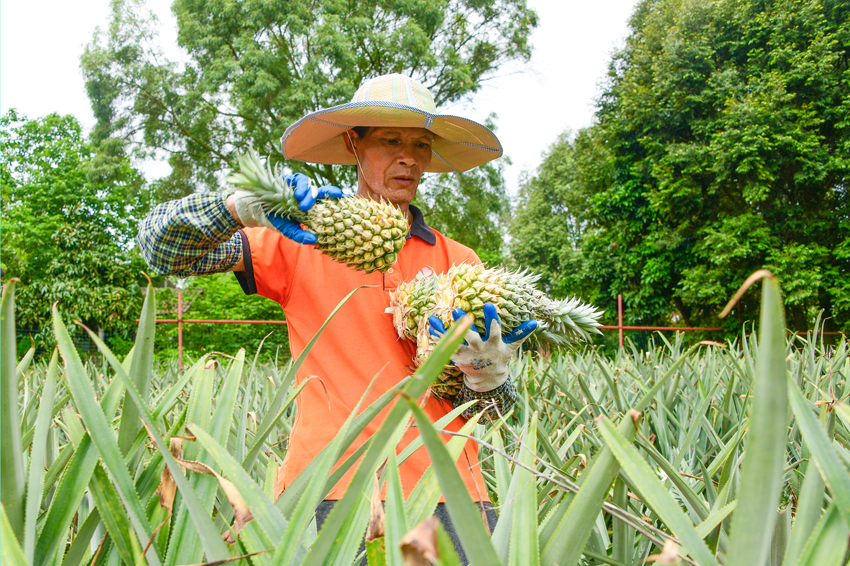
[
  {"x": 180, "y": 321},
  {"x": 621, "y": 327}
]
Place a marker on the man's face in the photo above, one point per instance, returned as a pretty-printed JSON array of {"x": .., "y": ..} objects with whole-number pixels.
[{"x": 392, "y": 161}]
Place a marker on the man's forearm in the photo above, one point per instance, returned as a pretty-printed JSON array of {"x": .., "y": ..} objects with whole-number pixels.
[
  {"x": 497, "y": 401},
  {"x": 195, "y": 235}
]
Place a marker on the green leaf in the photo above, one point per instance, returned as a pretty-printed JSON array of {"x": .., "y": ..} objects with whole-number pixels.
[
  {"x": 465, "y": 515},
  {"x": 35, "y": 480},
  {"x": 213, "y": 546},
  {"x": 809, "y": 510},
  {"x": 375, "y": 553},
  {"x": 715, "y": 518},
  {"x": 271, "y": 415},
  {"x": 764, "y": 461},
  {"x": 12, "y": 473},
  {"x": 24, "y": 364},
  {"x": 80, "y": 547},
  {"x": 72, "y": 486},
  {"x": 446, "y": 548},
  {"x": 10, "y": 550},
  {"x": 414, "y": 387},
  {"x": 396, "y": 518},
  {"x": 306, "y": 506},
  {"x": 287, "y": 500},
  {"x": 101, "y": 433},
  {"x": 623, "y": 535},
  {"x": 112, "y": 514},
  {"x": 141, "y": 369},
  {"x": 827, "y": 545},
  {"x": 828, "y": 463},
  {"x": 524, "y": 549},
  {"x": 655, "y": 494},
  {"x": 269, "y": 518},
  {"x": 426, "y": 493}
]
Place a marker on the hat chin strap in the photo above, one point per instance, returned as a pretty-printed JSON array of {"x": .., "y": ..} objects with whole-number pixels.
[{"x": 357, "y": 159}]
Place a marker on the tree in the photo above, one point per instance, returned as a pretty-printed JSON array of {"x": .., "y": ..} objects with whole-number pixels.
[
  {"x": 254, "y": 67},
  {"x": 552, "y": 214},
  {"x": 472, "y": 207},
  {"x": 68, "y": 222},
  {"x": 219, "y": 297},
  {"x": 724, "y": 126}
]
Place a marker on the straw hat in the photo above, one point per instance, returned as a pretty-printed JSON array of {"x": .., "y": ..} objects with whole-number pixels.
[{"x": 391, "y": 100}]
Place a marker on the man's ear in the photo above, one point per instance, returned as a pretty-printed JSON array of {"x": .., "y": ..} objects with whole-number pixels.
[{"x": 348, "y": 137}]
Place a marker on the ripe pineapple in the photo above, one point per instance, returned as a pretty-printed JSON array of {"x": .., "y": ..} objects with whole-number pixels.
[
  {"x": 469, "y": 288},
  {"x": 364, "y": 234}
]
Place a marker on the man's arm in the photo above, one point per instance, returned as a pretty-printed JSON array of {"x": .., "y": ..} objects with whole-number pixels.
[
  {"x": 497, "y": 402},
  {"x": 195, "y": 235}
]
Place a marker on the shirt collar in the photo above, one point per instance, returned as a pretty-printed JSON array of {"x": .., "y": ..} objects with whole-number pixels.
[{"x": 419, "y": 228}]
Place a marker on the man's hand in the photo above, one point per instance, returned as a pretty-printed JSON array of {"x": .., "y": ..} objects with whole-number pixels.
[
  {"x": 250, "y": 211},
  {"x": 484, "y": 359}
]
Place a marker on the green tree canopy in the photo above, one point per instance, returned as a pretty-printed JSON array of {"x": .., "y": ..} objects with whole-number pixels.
[
  {"x": 472, "y": 208},
  {"x": 724, "y": 132},
  {"x": 67, "y": 222},
  {"x": 254, "y": 67}
]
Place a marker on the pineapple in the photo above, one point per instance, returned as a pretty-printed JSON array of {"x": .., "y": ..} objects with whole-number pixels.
[
  {"x": 364, "y": 234},
  {"x": 470, "y": 287}
]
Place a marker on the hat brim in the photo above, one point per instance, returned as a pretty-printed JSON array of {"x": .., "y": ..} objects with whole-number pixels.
[{"x": 460, "y": 144}]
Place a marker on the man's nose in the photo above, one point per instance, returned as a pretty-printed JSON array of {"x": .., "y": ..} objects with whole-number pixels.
[{"x": 406, "y": 154}]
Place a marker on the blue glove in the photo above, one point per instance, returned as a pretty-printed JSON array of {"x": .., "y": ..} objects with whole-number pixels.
[
  {"x": 306, "y": 197},
  {"x": 304, "y": 193},
  {"x": 251, "y": 211},
  {"x": 484, "y": 362}
]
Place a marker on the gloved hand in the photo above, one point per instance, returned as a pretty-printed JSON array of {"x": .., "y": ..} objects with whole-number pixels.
[
  {"x": 484, "y": 359},
  {"x": 251, "y": 211}
]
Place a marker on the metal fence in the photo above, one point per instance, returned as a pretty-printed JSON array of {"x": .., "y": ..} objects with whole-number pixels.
[{"x": 620, "y": 327}]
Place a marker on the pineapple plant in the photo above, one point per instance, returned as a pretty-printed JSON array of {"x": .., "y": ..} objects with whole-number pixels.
[
  {"x": 470, "y": 287},
  {"x": 364, "y": 234}
]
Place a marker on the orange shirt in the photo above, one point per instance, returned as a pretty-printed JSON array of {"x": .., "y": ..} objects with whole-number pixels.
[{"x": 358, "y": 344}]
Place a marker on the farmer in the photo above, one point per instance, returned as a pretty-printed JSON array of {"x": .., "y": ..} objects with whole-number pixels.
[{"x": 391, "y": 132}]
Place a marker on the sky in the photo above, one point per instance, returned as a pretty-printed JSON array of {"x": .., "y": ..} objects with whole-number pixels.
[{"x": 41, "y": 42}]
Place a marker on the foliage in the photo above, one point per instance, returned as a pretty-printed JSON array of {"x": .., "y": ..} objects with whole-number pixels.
[
  {"x": 697, "y": 453},
  {"x": 723, "y": 134},
  {"x": 470, "y": 207},
  {"x": 552, "y": 215},
  {"x": 219, "y": 297},
  {"x": 253, "y": 68},
  {"x": 68, "y": 219}
]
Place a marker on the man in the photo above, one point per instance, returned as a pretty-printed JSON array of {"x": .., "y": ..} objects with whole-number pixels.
[{"x": 392, "y": 133}]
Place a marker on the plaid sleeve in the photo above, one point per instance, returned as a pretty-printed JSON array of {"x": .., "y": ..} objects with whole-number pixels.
[
  {"x": 496, "y": 401},
  {"x": 194, "y": 235}
]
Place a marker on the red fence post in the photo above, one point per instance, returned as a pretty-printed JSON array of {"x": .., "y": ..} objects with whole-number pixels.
[
  {"x": 179, "y": 329},
  {"x": 620, "y": 318}
]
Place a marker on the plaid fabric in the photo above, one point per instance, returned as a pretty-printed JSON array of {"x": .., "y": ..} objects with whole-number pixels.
[
  {"x": 496, "y": 402},
  {"x": 195, "y": 235}
]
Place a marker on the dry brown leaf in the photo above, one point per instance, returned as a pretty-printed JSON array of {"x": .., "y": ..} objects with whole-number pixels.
[
  {"x": 419, "y": 546},
  {"x": 669, "y": 554},
  {"x": 377, "y": 525},
  {"x": 241, "y": 514},
  {"x": 635, "y": 416},
  {"x": 167, "y": 489}
]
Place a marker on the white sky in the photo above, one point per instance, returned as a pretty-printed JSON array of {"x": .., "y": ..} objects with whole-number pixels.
[{"x": 41, "y": 42}]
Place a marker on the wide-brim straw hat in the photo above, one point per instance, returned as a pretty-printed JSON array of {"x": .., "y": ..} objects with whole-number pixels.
[{"x": 391, "y": 101}]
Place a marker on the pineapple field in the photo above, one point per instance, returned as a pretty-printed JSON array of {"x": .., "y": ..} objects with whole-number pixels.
[{"x": 733, "y": 454}]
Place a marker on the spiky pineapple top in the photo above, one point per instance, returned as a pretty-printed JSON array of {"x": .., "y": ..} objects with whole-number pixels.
[
  {"x": 469, "y": 288},
  {"x": 364, "y": 234}
]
